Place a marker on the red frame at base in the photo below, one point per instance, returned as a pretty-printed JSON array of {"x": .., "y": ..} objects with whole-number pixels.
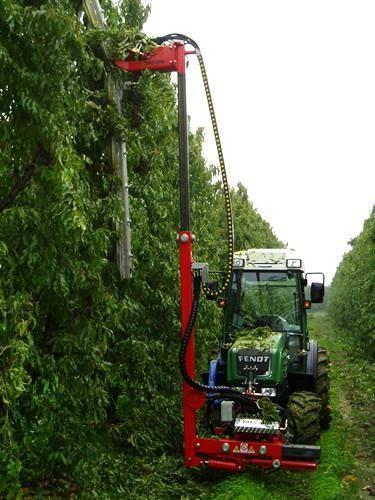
[{"x": 241, "y": 453}]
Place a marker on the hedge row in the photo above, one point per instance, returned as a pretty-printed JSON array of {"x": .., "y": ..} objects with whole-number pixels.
[
  {"x": 88, "y": 363},
  {"x": 352, "y": 297}
]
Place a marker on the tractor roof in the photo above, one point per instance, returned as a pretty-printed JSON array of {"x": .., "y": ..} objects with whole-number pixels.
[{"x": 268, "y": 258}]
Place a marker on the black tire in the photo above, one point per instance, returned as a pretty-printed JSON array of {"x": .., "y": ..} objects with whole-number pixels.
[
  {"x": 304, "y": 408},
  {"x": 322, "y": 387}
]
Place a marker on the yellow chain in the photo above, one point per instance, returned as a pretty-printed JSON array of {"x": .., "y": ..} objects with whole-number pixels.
[{"x": 228, "y": 206}]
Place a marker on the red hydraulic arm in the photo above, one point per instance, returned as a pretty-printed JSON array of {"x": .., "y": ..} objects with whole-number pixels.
[
  {"x": 166, "y": 59},
  {"x": 170, "y": 58},
  {"x": 236, "y": 453}
]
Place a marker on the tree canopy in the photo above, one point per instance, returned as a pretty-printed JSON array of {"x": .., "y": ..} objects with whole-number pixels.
[
  {"x": 88, "y": 363},
  {"x": 352, "y": 297}
]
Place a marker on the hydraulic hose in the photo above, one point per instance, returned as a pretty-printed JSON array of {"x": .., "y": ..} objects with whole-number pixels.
[
  {"x": 217, "y": 389},
  {"x": 220, "y": 390},
  {"x": 228, "y": 208},
  {"x": 197, "y": 279}
]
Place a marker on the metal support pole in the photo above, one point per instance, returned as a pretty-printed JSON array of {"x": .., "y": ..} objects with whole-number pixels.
[
  {"x": 183, "y": 154},
  {"x": 186, "y": 239},
  {"x": 185, "y": 243}
]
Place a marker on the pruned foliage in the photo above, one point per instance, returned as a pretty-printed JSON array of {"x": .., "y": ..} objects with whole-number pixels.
[{"x": 88, "y": 363}]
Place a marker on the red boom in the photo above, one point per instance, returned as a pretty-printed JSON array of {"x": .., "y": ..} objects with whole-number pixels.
[{"x": 165, "y": 59}]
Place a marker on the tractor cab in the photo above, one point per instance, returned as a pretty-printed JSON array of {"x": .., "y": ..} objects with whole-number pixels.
[
  {"x": 265, "y": 335},
  {"x": 265, "y": 298}
]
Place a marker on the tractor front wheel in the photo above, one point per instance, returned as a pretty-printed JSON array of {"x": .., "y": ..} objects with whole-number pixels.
[{"x": 304, "y": 409}]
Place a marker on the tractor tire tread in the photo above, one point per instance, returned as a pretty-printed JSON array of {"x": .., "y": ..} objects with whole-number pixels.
[{"x": 304, "y": 406}]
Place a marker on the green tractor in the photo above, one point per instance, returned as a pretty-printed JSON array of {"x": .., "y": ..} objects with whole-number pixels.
[{"x": 266, "y": 350}]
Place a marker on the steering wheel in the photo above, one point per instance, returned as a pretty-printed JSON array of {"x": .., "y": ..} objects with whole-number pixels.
[{"x": 272, "y": 320}]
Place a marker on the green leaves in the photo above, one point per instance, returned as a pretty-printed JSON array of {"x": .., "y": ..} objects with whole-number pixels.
[
  {"x": 119, "y": 42},
  {"x": 352, "y": 298},
  {"x": 88, "y": 363}
]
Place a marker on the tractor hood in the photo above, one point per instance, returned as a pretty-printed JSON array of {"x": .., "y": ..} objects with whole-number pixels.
[{"x": 260, "y": 350}]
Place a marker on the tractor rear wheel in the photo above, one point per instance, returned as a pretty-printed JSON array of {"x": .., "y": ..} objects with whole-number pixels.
[
  {"x": 322, "y": 387},
  {"x": 304, "y": 409}
]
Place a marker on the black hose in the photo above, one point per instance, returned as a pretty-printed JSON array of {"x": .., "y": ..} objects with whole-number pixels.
[
  {"x": 217, "y": 389},
  {"x": 236, "y": 395},
  {"x": 212, "y": 294},
  {"x": 176, "y": 36}
]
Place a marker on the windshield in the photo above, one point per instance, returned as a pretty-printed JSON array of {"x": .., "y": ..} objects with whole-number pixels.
[{"x": 265, "y": 298}]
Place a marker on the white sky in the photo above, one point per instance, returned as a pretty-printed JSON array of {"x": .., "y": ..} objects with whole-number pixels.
[{"x": 293, "y": 83}]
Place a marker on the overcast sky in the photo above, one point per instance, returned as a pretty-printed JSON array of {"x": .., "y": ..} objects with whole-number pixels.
[{"x": 293, "y": 84}]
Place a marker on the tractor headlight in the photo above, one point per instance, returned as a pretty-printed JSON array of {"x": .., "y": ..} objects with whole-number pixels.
[
  {"x": 239, "y": 262},
  {"x": 269, "y": 392}
]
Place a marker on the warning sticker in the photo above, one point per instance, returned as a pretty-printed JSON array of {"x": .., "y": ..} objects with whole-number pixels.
[
  {"x": 251, "y": 450},
  {"x": 236, "y": 450},
  {"x": 244, "y": 447}
]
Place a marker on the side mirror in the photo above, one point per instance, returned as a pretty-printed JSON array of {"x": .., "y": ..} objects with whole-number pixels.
[{"x": 317, "y": 293}]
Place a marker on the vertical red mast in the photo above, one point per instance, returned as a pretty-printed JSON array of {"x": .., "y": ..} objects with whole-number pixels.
[{"x": 169, "y": 59}]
